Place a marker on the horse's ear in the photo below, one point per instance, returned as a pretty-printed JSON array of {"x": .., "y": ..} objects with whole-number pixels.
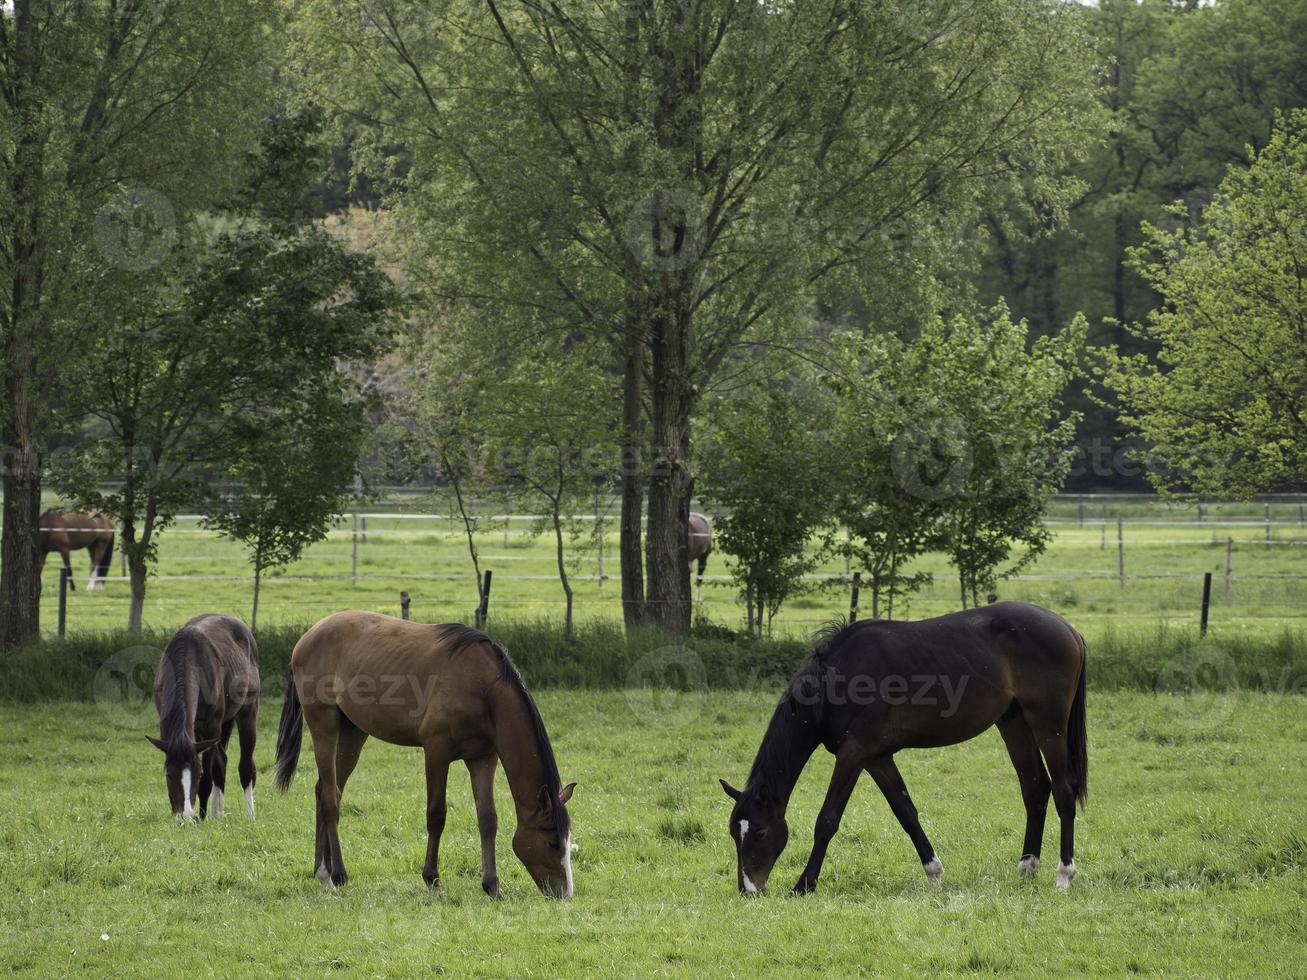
[
  {"x": 157, "y": 743},
  {"x": 565, "y": 793},
  {"x": 731, "y": 791},
  {"x": 544, "y": 801},
  {"x": 204, "y": 746}
]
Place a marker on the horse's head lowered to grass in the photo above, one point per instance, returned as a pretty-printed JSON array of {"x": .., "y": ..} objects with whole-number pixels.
[{"x": 760, "y": 833}]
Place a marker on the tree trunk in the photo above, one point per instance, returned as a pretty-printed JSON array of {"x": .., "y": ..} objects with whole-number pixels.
[
  {"x": 20, "y": 588},
  {"x": 136, "y": 571},
  {"x": 562, "y": 569},
  {"x": 631, "y": 540},
  {"x": 23, "y": 342},
  {"x": 254, "y": 609},
  {"x": 671, "y": 482}
]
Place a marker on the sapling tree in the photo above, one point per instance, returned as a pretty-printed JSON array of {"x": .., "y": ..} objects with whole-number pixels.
[
  {"x": 766, "y": 467},
  {"x": 289, "y": 475}
]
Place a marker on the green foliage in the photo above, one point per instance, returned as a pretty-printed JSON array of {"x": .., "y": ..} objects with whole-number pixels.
[
  {"x": 952, "y": 442},
  {"x": 1221, "y": 407},
  {"x": 228, "y": 357},
  {"x": 767, "y": 469}
]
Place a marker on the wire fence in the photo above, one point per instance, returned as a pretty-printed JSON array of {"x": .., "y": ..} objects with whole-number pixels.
[{"x": 1118, "y": 557}]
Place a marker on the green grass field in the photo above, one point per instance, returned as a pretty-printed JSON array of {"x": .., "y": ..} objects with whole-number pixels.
[
  {"x": 1192, "y": 856},
  {"x": 1166, "y": 553}
]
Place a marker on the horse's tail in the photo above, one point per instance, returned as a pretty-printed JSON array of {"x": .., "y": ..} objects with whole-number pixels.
[
  {"x": 1076, "y": 741},
  {"x": 289, "y": 736}
]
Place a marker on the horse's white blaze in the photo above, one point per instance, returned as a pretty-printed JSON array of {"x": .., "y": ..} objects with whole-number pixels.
[
  {"x": 749, "y": 887},
  {"x": 216, "y": 801},
  {"x": 1029, "y": 864},
  {"x": 187, "y": 812},
  {"x": 934, "y": 870},
  {"x": 249, "y": 801},
  {"x": 744, "y": 829},
  {"x": 567, "y": 866},
  {"x": 1065, "y": 872}
]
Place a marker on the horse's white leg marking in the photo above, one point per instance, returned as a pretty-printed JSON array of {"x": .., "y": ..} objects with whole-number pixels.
[
  {"x": 1065, "y": 872},
  {"x": 1029, "y": 864},
  {"x": 188, "y": 814},
  {"x": 324, "y": 875},
  {"x": 249, "y": 801},
  {"x": 90, "y": 583},
  {"x": 567, "y": 866},
  {"x": 215, "y": 804},
  {"x": 934, "y": 870}
]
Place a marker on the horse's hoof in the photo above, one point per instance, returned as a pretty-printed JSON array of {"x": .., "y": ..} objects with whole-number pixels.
[
  {"x": 323, "y": 875},
  {"x": 491, "y": 887},
  {"x": 1028, "y": 865},
  {"x": 432, "y": 881},
  {"x": 803, "y": 887},
  {"x": 1065, "y": 872},
  {"x": 934, "y": 872}
]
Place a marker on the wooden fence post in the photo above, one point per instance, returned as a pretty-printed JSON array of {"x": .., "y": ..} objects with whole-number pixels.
[
  {"x": 64, "y": 575},
  {"x": 1267, "y": 519},
  {"x": 1207, "y": 601},
  {"x": 853, "y": 597},
  {"x": 1120, "y": 549},
  {"x": 1229, "y": 565},
  {"x": 403, "y": 605},
  {"x": 354, "y": 552}
]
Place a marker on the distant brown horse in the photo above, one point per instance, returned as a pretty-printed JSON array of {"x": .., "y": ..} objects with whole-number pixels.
[
  {"x": 207, "y": 682},
  {"x": 67, "y": 530},
  {"x": 452, "y": 692},
  {"x": 700, "y": 545}
]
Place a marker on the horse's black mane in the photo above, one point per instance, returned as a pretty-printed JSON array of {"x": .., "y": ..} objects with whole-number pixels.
[
  {"x": 172, "y": 722},
  {"x": 458, "y": 637},
  {"x": 801, "y": 710}
]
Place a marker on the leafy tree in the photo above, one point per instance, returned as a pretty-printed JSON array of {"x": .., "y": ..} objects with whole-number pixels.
[
  {"x": 768, "y": 473},
  {"x": 246, "y": 314},
  {"x": 1007, "y": 442},
  {"x": 676, "y": 178},
  {"x": 117, "y": 115},
  {"x": 1221, "y": 405},
  {"x": 886, "y": 480},
  {"x": 548, "y": 444},
  {"x": 289, "y": 476}
]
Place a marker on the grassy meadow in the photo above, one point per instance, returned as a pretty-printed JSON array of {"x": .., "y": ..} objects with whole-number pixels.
[
  {"x": 1192, "y": 856},
  {"x": 1166, "y": 552}
]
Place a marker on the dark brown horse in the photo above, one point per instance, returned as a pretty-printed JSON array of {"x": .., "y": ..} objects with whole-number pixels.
[
  {"x": 448, "y": 690},
  {"x": 875, "y": 687},
  {"x": 699, "y": 545},
  {"x": 207, "y": 683},
  {"x": 66, "y": 530}
]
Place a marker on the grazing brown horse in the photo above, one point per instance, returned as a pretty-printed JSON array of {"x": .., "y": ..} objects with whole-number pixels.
[
  {"x": 699, "y": 545},
  {"x": 875, "y": 687},
  {"x": 66, "y": 530},
  {"x": 449, "y": 690},
  {"x": 207, "y": 683}
]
